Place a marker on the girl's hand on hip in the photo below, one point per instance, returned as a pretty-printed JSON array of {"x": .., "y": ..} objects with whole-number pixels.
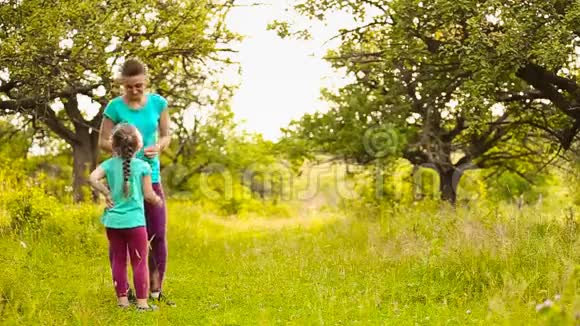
[{"x": 109, "y": 201}]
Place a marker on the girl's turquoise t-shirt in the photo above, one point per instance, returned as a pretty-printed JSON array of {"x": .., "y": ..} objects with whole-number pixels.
[
  {"x": 129, "y": 211},
  {"x": 145, "y": 119}
]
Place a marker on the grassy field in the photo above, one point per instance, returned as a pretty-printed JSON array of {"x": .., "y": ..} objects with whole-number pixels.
[{"x": 420, "y": 265}]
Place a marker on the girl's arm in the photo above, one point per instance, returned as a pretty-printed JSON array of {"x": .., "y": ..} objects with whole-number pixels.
[
  {"x": 95, "y": 181},
  {"x": 148, "y": 192}
]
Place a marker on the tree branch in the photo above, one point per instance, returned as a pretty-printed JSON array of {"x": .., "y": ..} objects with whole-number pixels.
[
  {"x": 459, "y": 127},
  {"x": 53, "y": 122},
  {"x": 39, "y": 107},
  {"x": 546, "y": 82},
  {"x": 531, "y": 95},
  {"x": 71, "y": 107},
  {"x": 354, "y": 30}
]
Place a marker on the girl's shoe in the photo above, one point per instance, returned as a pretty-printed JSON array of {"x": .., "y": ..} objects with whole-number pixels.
[
  {"x": 123, "y": 302},
  {"x": 148, "y": 308}
]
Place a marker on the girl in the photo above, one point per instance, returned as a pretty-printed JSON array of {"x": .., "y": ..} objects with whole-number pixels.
[
  {"x": 129, "y": 184},
  {"x": 148, "y": 112}
]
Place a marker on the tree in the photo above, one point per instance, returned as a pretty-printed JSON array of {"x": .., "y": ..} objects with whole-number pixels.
[
  {"x": 437, "y": 72},
  {"x": 361, "y": 131},
  {"x": 52, "y": 55}
]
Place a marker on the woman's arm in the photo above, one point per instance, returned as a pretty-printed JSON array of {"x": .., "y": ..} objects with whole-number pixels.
[
  {"x": 164, "y": 136},
  {"x": 164, "y": 133},
  {"x": 105, "y": 135},
  {"x": 148, "y": 192},
  {"x": 95, "y": 181}
]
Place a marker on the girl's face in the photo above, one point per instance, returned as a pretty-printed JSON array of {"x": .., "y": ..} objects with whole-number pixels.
[{"x": 134, "y": 87}]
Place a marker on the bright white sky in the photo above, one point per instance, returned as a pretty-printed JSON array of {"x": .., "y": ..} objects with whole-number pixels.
[{"x": 281, "y": 78}]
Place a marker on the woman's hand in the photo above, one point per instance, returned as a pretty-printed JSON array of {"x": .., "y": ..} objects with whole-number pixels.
[
  {"x": 151, "y": 151},
  {"x": 158, "y": 202},
  {"x": 149, "y": 193}
]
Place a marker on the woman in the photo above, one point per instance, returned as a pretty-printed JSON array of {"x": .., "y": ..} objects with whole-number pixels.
[{"x": 148, "y": 112}]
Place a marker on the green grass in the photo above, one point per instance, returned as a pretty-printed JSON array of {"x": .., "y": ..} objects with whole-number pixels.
[{"x": 413, "y": 266}]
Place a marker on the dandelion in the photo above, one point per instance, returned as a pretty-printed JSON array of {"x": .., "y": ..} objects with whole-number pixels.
[{"x": 544, "y": 305}]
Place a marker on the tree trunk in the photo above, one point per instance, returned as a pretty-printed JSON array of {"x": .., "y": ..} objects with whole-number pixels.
[
  {"x": 448, "y": 183},
  {"x": 85, "y": 156}
]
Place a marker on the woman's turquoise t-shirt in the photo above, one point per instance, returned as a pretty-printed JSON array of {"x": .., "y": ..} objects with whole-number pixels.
[
  {"x": 145, "y": 119},
  {"x": 129, "y": 211}
]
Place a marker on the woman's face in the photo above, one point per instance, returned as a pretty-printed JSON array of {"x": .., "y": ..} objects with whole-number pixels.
[{"x": 134, "y": 87}]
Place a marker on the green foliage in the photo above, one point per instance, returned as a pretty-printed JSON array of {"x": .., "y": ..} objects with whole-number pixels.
[
  {"x": 473, "y": 187},
  {"x": 386, "y": 183},
  {"x": 199, "y": 147},
  {"x": 353, "y": 130},
  {"x": 399, "y": 184},
  {"x": 64, "y": 43},
  {"x": 283, "y": 29},
  {"x": 296, "y": 151},
  {"x": 572, "y": 178},
  {"x": 426, "y": 183},
  {"x": 235, "y": 170},
  {"x": 14, "y": 143},
  {"x": 509, "y": 186},
  {"x": 28, "y": 209}
]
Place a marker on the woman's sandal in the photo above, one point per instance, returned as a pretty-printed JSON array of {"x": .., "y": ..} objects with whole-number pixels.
[
  {"x": 162, "y": 298},
  {"x": 148, "y": 308},
  {"x": 131, "y": 296}
]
